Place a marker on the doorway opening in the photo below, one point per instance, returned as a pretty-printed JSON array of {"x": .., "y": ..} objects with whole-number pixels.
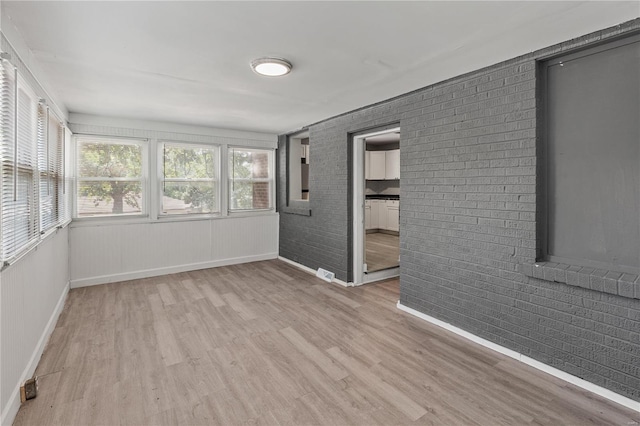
[{"x": 376, "y": 206}]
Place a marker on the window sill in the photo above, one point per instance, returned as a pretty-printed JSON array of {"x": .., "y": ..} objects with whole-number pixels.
[
  {"x": 117, "y": 221},
  {"x": 300, "y": 211},
  {"x": 298, "y": 207},
  {"x": 604, "y": 281}
]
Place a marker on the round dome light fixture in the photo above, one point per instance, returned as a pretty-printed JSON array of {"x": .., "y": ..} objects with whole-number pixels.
[{"x": 271, "y": 67}]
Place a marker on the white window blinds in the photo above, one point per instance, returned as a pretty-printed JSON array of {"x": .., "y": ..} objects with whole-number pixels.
[
  {"x": 19, "y": 196},
  {"x": 32, "y": 144},
  {"x": 50, "y": 166}
]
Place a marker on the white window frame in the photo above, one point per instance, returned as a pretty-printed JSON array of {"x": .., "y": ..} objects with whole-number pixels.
[
  {"x": 294, "y": 176},
  {"x": 58, "y": 170},
  {"x": 270, "y": 180},
  {"x": 161, "y": 179},
  {"x": 144, "y": 179},
  {"x": 33, "y": 220}
]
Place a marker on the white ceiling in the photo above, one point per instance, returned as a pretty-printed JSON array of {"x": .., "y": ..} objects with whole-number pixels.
[
  {"x": 188, "y": 62},
  {"x": 383, "y": 139}
]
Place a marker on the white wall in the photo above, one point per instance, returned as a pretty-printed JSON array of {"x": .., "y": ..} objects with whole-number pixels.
[
  {"x": 34, "y": 288},
  {"x": 117, "y": 252},
  {"x": 24, "y": 59},
  {"x": 107, "y": 250},
  {"x": 32, "y": 294}
]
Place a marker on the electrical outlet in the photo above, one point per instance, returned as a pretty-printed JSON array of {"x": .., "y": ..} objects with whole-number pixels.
[{"x": 29, "y": 390}]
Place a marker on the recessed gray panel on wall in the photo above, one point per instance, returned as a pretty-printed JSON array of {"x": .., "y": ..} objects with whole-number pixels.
[{"x": 593, "y": 128}]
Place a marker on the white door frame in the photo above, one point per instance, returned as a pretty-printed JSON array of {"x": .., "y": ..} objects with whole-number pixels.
[{"x": 358, "y": 203}]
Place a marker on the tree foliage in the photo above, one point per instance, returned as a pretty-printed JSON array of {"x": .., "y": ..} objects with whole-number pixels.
[
  {"x": 198, "y": 165},
  {"x": 244, "y": 167},
  {"x": 240, "y": 166},
  {"x": 103, "y": 160},
  {"x": 112, "y": 175}
]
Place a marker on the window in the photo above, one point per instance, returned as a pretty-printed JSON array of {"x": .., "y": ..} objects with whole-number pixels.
[
  {"x": 189, "y": 179},
  {"x": 19, "y": 111},
  {"x": 592, "y": 155},
  {"x": 110, "y": 177},
  {"x": 298, "y": 167},
  {"x": 32, "y": 141},
  {"x": 51, "y": 141},
  {"x": 250, "y": 179}
]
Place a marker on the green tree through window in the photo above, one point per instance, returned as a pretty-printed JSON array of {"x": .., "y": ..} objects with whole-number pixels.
[
  {"x": 190, "y": 179},
  {"x": 110, "y": 179},
  {"x": 250, "y": 179}
]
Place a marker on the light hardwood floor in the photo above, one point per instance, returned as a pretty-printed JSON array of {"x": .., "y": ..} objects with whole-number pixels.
[
  {"x": 382, "y": 251},
  {"x": 265, "y": 343}
]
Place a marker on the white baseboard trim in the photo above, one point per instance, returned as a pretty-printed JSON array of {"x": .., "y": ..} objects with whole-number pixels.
[
  {"x": 147, "y": 273},
  {"x": 10, "y": 411},
  {"x": 311, "y": 271},
  {"x": 581, "y": 383}
]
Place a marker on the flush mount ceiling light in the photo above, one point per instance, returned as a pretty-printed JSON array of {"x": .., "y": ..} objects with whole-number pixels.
[{"x": 271, "y": 67}]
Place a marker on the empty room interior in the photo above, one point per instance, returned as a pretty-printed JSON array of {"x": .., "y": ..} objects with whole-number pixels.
[{"x": 297, "y": 213}]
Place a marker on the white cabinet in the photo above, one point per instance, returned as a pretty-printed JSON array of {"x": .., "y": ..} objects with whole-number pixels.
[
  {"x": 393, "y": 215},
  {"x": 377, "y": 163},
  {"x": 372, "y": 214},
  {"x": 382, "y": 165},
  {"x": 375, "y": 213},
  {"x": 382, "y": 214},
  {"x": 392, "y": 164},
  {"x": 367, "y": 165}
]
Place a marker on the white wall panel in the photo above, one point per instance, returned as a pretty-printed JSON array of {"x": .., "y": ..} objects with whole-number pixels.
[
  {"x": 123, "y": 127},
  {"x": 115, "y": 252},
  {"x": 32, "y": 294}
]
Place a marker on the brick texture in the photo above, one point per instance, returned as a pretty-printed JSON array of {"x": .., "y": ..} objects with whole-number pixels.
[
  {"x": 260, "y": 199},
  {"x": 468, "y": 231}
]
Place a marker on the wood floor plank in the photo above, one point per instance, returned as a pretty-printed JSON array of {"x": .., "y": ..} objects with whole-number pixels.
[
  {"x": 240, "y": 307},
  {"x": 266, "y": 344},
  {"x": 167, "y": 343},
  {"x": 208, "y": 291},
  {"x": 382, "y": 251},
  {"x": 392, "y": 395},
  {"x": 165, "y": 294},
  {"x": 322, "y": 288},
  {"x": 314, "y": 354}
]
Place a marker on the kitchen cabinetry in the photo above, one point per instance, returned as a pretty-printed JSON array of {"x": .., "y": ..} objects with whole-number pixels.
[
  {"x": 393, "y": 215},
  {"x": 372, "y": 214},
  {"x": 367, "y": 165},
  {"x": 392, "y": 164},
  {"x": 382, "y": 214},
  {"x": 377, "y": 163},
  {"x": 382, "y": 165}
]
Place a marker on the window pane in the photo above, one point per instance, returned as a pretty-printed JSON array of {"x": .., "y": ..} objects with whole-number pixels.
[
  {"x": 111, "y": 197},
  {"x": 110, "y": 174},
  {"x": 240, "y": 164},
  {"x": 249, "y": 164},
  {"x": 109, "y": 160},
  {"x": 19, "y": 180},
  {"x": 19, "y": 221},
  {"x": 189, "y": 162},
  {"x": 189, "y": 197},
  {"x": 250, "y": 195},
  {"x": 246, "y": 167},
  {"x": 181, "y": 165}
]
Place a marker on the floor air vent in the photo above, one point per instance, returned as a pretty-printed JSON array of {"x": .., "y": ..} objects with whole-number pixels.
[{"x": 325, "y": 275}]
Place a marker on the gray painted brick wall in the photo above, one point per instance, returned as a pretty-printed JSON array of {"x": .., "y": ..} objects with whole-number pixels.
[{"x": 468, "y": 221}]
